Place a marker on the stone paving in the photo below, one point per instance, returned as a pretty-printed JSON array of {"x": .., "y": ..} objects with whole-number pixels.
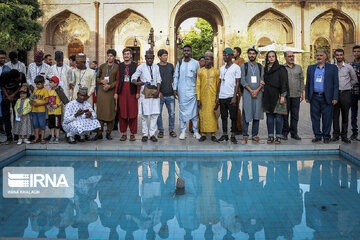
[{"x": 190, "y": 143}]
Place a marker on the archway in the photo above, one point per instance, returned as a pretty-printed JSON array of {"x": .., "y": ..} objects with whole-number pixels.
[
  {"x": 336, "y": 27},
  {"x": 206, "y": 10},
  {"x": 75, "y": 46},
  {"x": 277, "y": 26},
  {"x": 264, "y": 41},
  {"x": 64, "y": 31},
  {"x": 121, "y": 30},
  {"x": 134, "y": 45}
]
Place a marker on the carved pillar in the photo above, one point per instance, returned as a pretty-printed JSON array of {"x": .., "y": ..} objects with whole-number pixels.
[
  {"x": 302, "y": 4},
  {"x": 97, "y": 5}
]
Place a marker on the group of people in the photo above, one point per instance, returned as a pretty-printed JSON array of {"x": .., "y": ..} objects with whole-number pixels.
[{"x": 63, "y": 95}]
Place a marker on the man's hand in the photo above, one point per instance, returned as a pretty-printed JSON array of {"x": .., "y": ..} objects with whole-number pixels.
[
  {"x": 161, "y": 95},
  {"x": 106, "y": 87},
  {"x": 217, "y": 102},
  {"x": 48, "y": 107},
  {"x": 88, "y": 114},
  {"x": 307, "y": 100},
  {"x": 262, "y": 83},
  {"x": 138, "y": 83},
  {"x": 116, "y": 96},
  {"x": 199, "y": 104},
  {"x": 254, "y": 93},
  {"x": 156, "y": 94},
  {"x": 175, "y": 94},
  {"x": 233, "y": 100},
  {"x": 301, "y": 97},
  {"x": 334, "y": 102},
  {"x": 137, "y": 96},
  {"x": 103, "y": 81},
  {"x": 71, "y": 86},
  {"x": 10, "y": 98},
  {"x": 79, "y": 112}
]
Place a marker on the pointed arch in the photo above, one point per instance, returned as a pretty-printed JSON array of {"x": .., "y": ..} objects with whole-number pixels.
[
  {"x": 278, "y": 26},
  {"x": 65, "y": 26}
]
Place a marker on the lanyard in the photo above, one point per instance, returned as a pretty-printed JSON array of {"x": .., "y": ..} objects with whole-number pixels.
[
  {"x": 39, "y": 69},
  {"x": 53, "y": 93},
  {"x": 226, "y": 69},
  {"x": 60, "y": 74},
  {"x": 107, "y": 69},
  {"x": 80, "y": 77},
  {"x": 127, "y": 71},
  {"x": 151, "y": 74},
  {"x": 253, "y": 70}
]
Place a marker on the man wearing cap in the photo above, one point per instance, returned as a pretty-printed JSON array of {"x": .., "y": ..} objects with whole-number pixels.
[
  {"x": 83, "y": 76},
  {"x": 63, "y": 72},
  {"x": 207, "y": 85},
  {"x": 149, "y": 74},
  {"x": 106, "y": 108},
  {"x": 80, "y": 118},
  {"x": 14, "y": 63},
  {"x": 185, "y": 89},
  {"x": 230, "y": 75},
  {"x": 38, "y": 67},
  {"x": 239, "y": 61}
]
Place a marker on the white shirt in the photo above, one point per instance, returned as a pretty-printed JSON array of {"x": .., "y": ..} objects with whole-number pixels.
[
  {"x": 64, "y": 74},
  {"x": 228, "y": 80},
  {"x": 44, "y": 70},
  {"x": 18, "y": 66},
  {"x": 148, "y": 106}
]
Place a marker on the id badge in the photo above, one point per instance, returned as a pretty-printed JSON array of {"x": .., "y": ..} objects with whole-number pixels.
[
  {"x": 106, "y": 79},
  {"x": 319, "y": 79},
  {"x": 253, "y": 79},
  {"x": 127, "y": 78}
]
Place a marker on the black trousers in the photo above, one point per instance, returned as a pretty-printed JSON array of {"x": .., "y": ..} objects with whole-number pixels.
[
  {"x": 293, "y": 105},
  {"x": 5, "y": 107},
  {"x": 342, "y": 106},
  {"x": 225, "y": 109}
]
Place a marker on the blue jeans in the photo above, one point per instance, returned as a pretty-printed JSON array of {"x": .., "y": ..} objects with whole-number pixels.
[
  {"x": 39, "y": 120},
  {"x": 354, "y": 112},
  {"x": 255, "y": 126},
  {"x": 277, "y": 120},
  {"x": 170, "y": 105}
]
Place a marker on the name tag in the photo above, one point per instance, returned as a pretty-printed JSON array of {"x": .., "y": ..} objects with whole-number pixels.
[
  {"x": 127, "y": 78},
  {"x": 253, "y": 79},
  {"x": 319, "y": 78},
  {"x": 107, "y": 79}
]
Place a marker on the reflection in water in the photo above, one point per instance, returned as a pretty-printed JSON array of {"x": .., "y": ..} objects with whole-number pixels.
[{"x": 247, "y": 198}]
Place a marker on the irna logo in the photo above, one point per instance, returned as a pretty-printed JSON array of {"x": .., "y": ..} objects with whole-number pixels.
[{"x": 16, "y": 180}]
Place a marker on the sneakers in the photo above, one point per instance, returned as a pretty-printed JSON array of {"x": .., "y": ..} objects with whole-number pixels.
[
  {"x": 197, "y": 135},
  {"x": 19, "y": 142},
  {"x": 56, "y": 140},
  {"x": 354, "y": 136},
  {"x": 182, "y": 136},
  {"x": 224, "y": 138},
  {"x": 52, "y": 140},
  {"x": 27, "y": 141}
]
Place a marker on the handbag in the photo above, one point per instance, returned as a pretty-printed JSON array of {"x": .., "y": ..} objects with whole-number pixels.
[{"x": 150, "y": 91}]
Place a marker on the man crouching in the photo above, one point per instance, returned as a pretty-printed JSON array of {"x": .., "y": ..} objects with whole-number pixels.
[{"x": 80, "y": 118}]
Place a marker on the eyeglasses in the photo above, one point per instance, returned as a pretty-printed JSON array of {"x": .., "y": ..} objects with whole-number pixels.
[{"x": 290, "y": 56}]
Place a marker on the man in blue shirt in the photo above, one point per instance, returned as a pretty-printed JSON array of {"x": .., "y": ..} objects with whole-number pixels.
[{"x": 322, "y": 92}]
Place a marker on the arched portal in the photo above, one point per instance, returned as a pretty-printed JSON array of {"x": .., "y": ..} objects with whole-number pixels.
[
  {"x": 276, "y": 25},
  {"x": 336, "y": 27},
  {"x": 128, "y": 25},
  {"x": 207, "y": 10},
  {"x": 75, "y": 46},
  {"x": 66, "y": 31}
]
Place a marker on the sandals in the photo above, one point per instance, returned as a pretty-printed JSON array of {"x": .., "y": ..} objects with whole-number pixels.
[
  {"x": 132, "y": 137},
  {"x": 43, "y": 141},
  {"x": 35, "y": 141},
  {"x": 160, "y": 135},
  {"x": 123, "y": 138},
  {"x": 270, "y": 140},
  {"x": 277, "y": 140},
  {"x": 172, "y": 134}
]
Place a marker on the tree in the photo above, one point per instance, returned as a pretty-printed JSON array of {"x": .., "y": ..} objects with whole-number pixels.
[
  {"x": 200, "y": 38},
  {"x": 18, "y": 23}
]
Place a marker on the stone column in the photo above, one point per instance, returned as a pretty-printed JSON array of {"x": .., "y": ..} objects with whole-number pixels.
[{"x": 97, "y": 5}]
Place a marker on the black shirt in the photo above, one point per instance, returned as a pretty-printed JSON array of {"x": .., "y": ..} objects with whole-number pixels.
[{"x": 167, "y": 78}]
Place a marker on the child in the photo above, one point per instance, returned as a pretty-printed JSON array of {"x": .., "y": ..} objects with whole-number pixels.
[
  {"x": 40, "y": 98},
  {"x": 54, "y": 110},
  {"x": 23, "y": 122}
]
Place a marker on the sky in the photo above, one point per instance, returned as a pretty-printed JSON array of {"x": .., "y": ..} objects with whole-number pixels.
[{"x": 187, "y": 24}]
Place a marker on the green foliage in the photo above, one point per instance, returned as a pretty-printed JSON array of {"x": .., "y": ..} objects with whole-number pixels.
[
  {"x": 200, "y": 38},
  {"x": 18, "y": 23}
]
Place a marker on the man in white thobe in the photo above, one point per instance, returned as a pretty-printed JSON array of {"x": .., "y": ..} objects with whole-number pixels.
[
  {"x": 38, "y": 67},
  {"x": 185, "y": 89},
  {"x": 14, "y": 63},
  {"x": 63, "y": 72},
  {"x": 80, "y": 117},
  {"x": 149, "y": 75}
]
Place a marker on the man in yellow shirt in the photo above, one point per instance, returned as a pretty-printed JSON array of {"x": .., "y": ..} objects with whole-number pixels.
[
  {"x": 207, "y": 84},
  {"x": 54, "y": 110}
]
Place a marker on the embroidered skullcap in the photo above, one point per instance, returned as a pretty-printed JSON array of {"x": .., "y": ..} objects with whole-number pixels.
[
  {"x": 208, "y": 53},
  {"x": 149, "y": 52},
  {"x": 39, "y": 55},
  {"x": 80, "y": 57},
  {"x": 24, "y": 88},
  {"x": 228, "y": 51},
  {"x": 252, "y": 48},
  {"x": 59, "y": 55},
  {"x": 83, "y": 90}
]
